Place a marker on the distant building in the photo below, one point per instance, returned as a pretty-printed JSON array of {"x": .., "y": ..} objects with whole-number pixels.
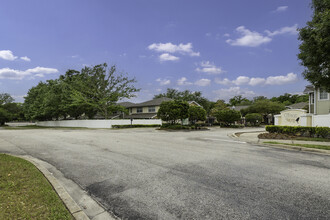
[{"x": 146, "y": 110}]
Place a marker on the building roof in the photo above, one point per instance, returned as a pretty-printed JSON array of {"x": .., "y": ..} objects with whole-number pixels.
[
  {"x": 141, "y": 116},
  {"x": 299, "y": 105},
  {"x": 309, "y": 89},
  {"x": 126, "y": 104},
  {"x": 239, "y": 107},
  {"x": 153, "y": 102}
]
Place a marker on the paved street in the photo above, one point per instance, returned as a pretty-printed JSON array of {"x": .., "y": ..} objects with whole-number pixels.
[{"x": 150, "y": 174}]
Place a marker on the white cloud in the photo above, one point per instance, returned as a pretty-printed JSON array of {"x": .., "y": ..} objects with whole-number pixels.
[
  {"x": 258, "y": 81},
  {"x": 226, "y": 35},
  {"x": 284, "y": 30},
  {"x": 241, "y": 80},
  {"x": 25, "y": 58},
  {"x": 208, "y": 34},
  {"x": 225, "y": 81},
  {"x": 203, "y": 82},
  {"x": 163, "y": 82},
  {"x": 249, "y": 38},
  {"x": 280, "y": 80},
  {"x": 168, "y": 57},
  {"x": 7, "y": 73},
  {"x": 233, "y": 91},
  {"x": 183, "y": 81},
  {"x": 281, "y": 8},
  {"x": 255, "y": 81},
  {"x": 210, "y": 68},
  {"x": 7, "y": 55},
  {"x": 186, "y": 49}
]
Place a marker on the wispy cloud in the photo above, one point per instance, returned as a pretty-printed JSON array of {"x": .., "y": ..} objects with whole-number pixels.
[
  {"x": 284, "y": 30},
  {"x": 254, "y": 39},
  {"x": 7, "y": 55},
  {"x": 25, "y": 58},
  {"x": 248, "y": 38},
  {"x": 163, "y": 82},
  {"x": 168, "y": 57},
  {"x": 209, "y": 68},
  {"x": 181, "y": 48},
  {"x": 233, "y": 91},
  {"x": 281, "y": 9},
  {"x": 7, "y": 73},
  {"x": 183, "y": 81},
  {"x": 258, "y": 81},
  {"x": 203, "y": 82}
]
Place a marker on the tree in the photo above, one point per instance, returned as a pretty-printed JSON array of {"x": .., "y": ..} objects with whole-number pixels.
[
  {"x": 172, "y": 111},
  {"x": 315, "y": 47},
  {"x": 264, "y": 107},
  {"x": 227, "y": 116},
  {"x": 253, "y": 118},
  {"x": 239, "y": 100},
  {"x": 5, "y": 98},
  {"x": 102, "y": 88},
  {"x": 4, "y": 116},
  {"x": 196, "y": 113},
  {"x": 218, "y": 106},
  {"x": 186, "y": 95}
]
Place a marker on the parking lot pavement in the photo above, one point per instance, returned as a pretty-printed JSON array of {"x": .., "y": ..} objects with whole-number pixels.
[{"x": 150, "y": 174}]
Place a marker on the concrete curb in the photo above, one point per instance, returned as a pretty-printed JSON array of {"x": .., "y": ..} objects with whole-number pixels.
[
  {"x": 283, "y": 146},
  {"x": 72, "y": 206}
]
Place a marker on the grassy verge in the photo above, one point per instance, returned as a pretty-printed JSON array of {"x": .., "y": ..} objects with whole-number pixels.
[
  {"x": 324, "y": 147},
  {"x": 41, "y": 127},
  {"x": 26, "y": 194}
]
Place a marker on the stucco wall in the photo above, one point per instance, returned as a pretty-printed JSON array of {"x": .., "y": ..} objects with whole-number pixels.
[
  {"x": 289, "y": 117},
  {"x": 321, "y": 120},
  {"x": 97, "y": 123}
]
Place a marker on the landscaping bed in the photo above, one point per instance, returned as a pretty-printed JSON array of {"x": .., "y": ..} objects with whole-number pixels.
[
  {"x": 280, "y": 136},
  {"x": 26, "y": 194}
]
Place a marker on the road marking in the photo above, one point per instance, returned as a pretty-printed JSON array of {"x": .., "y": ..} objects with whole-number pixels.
[{"x": 214, "y": 139}]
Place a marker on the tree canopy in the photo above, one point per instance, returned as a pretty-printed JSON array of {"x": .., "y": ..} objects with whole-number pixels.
[
  {"x": 93, "y": 90},
  {"x": 315, "y": 47},
  {"x": 186, "y": 95},
  {"x": 172, "y": 111}
]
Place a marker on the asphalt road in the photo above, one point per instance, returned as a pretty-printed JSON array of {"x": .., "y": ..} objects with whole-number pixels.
[{"x": 149, "y": 174}]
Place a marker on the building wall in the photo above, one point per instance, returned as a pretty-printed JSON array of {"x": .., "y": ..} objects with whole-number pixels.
[
  {"x": 322, "y": 106},
  {"x": 97, "y": 123},
  {"x": 144, "y": 109}
]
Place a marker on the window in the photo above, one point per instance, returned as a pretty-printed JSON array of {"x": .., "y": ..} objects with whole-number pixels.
[
  {"x": 323, "y": 95},
  {"x": 312, "y": 98},
  {"x": 139, "y": 110},
  {"x": 152, "y": 109}
]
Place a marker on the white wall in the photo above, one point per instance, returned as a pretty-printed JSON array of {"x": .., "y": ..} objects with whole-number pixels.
[
  {"x": 321, "y": 120},
  {"x": 97, "y": 123}
]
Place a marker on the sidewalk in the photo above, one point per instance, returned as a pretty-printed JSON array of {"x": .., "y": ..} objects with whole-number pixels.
[{"x": 252, "y": 137}]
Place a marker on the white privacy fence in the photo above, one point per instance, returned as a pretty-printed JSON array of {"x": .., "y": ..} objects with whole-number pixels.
[{"x": 98, "y": 123}]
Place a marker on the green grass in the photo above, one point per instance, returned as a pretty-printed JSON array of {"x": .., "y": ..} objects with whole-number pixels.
[
  {"x": 312, "y": 139},
  {"x": 26, "y": 194},
  {"x": 41, "y": 127},
  {"x": 324, "y": 147}
]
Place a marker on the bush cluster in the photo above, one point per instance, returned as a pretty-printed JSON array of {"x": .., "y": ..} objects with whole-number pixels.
[
  {"x": 181, "y": 127},
  {"x": 323, "y": 132},
  {"x": 135, "y": 126}
]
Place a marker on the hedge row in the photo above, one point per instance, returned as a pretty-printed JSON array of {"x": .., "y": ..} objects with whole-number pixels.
[
  {"x": 135, "y": 126},
  {"x": 323, "y": 132}
]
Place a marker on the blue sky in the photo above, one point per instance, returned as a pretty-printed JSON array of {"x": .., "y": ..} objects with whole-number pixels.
[{"x": 222, "y": 48}]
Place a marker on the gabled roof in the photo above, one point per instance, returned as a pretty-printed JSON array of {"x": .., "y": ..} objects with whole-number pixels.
[
  {"x": 154, "y": 102},
  {"x": 126, "y": 104},
  {"x": 299, "y": 105},
  {"x": 309, "y": 89},
  {"x": 239, "y": 107}
]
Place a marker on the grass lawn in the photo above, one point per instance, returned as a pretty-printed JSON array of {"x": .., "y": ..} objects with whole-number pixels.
[
  {"x": 40, "y": 127},
  {"x": 26, "y": 194},
  {"x": 324, "y": 147}
]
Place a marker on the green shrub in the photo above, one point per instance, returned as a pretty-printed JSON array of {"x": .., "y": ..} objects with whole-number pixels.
[
  {"x": 135, "y": 126},
  {"x": 300, "y": 131}
]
